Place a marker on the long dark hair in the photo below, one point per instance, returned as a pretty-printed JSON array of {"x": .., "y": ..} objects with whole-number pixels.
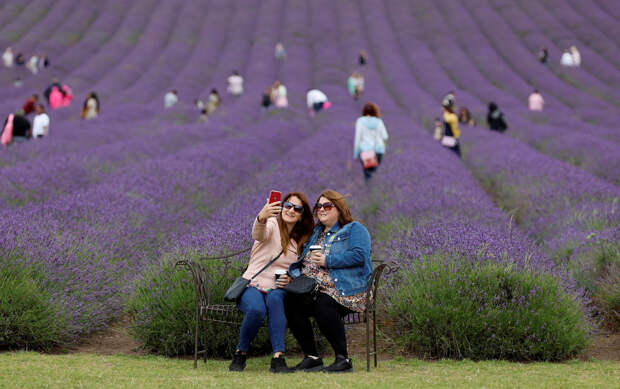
[
  {"x": 303, "y": 228},
  {"x": 94, "y": 96},
  {"x": 344, "y": 214}
]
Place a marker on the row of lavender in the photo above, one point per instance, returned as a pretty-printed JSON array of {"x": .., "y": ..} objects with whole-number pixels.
[
  {"x": 560, "y": 137},
  {"x": 118, "y": 223}
]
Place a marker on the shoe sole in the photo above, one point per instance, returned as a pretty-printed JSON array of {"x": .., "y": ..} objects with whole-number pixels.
[{"x": 313, "y": 369}]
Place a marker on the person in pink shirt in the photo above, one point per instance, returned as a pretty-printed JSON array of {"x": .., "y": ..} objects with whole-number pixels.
[
  {"x": 67, "y": 95},
  {"x": 536, "y": 101},
  {"x": 281, "y": 228},
  {"x": 56, "y": 98}
]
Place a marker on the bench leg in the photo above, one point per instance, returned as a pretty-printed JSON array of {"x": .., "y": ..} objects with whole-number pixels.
[
  {"x": 374, "y": 335},
  {"x": 205, "y": 342},
  {"x": 196, "y": 342},
  {"x": 367, "y": 343}
]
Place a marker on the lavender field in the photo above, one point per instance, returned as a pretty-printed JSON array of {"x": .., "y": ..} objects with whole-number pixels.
[{"x": 98, "y": 205}]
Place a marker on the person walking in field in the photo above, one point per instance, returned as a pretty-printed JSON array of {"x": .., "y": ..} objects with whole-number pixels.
[
  {"x": 235, "y": 84},
  {"x": 280, "y": 52},
  {"x": 576, "y": 56},
  {"x": 8, "y": 57},
  {"x": 170, "y": 99},
  {"x": 355, "y": 85},
  {"x": 278, "y": 95},
  {"x": 370, "y": 137},
  {"x": 316, "y": 101},
  {"x": 496, "y": 119},
  {"x": 90, "y": 109},
  {"x": 452, "y": 133},
  {"x": 213, "y": 101},
  {"x": 30, "y": 104},
  {"x": 265, "y": 102},
  {"x": 40, "y": 123},
  {"x": 535, "y": 101}
]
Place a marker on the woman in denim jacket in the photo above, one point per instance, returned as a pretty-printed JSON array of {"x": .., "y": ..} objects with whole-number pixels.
[{"x": 342, "y": 270}]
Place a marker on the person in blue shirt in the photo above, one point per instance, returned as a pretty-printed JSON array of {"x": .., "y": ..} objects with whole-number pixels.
[{"x": 341, "y": 268}]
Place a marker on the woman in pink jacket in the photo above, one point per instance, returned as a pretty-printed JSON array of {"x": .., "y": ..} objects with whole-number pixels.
[{"x": 280, "y": 227}]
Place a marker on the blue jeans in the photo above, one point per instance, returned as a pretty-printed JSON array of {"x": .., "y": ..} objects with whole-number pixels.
[{"x": 256, "y": 305}]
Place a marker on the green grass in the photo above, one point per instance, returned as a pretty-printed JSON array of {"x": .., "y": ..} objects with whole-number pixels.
[{"x": 29, "y": 370}]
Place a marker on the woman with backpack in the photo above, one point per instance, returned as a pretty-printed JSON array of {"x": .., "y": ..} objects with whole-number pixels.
[{"x": 370, "y": 137}]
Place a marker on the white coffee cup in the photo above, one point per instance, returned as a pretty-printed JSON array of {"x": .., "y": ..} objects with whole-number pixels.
[
  {"x": 279, "y": 273},
  {"x": 315, "y": 247}
]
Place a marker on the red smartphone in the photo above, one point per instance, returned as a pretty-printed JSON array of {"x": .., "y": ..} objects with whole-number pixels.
[{"x": 274, "y": 196}]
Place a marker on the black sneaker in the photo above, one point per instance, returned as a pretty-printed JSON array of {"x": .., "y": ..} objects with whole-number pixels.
[
  {"x": 238, "y": 362},
  {"x": 310, "y": 365},
  {"x": 340, "y": 365},
  {"x": 278, "y": 365}
]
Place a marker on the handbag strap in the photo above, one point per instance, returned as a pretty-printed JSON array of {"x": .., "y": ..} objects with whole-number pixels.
[{"x": 267, "y": 265}]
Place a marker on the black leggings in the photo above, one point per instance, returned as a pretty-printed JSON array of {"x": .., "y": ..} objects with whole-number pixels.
[{"x": 328, "y": 314}]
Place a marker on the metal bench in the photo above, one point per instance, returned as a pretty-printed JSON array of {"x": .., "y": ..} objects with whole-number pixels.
[{"x": 208, "y": 312}]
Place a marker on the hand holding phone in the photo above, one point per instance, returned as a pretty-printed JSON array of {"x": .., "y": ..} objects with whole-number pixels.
[
  {"x": 272, "y": 208},
  {"x": 274, "y": 196}
]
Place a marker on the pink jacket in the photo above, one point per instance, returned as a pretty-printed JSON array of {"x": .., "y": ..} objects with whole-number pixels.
[
  {"x": 67, "y": 97},
  {"x": 7, "y": 134},
  {"x": 266, "y": 246},
  {"x": 55, "y": 98}
]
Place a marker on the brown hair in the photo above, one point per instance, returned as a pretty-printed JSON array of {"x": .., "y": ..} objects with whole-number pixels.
[
  {"x": 344, "y": 214},
  {"x": 371, "y": 109},
  {"x": 303, "y": 228}
]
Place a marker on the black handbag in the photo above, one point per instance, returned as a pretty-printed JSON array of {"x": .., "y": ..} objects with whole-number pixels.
[
  {"x": 236, "y": 290},
  {"x": 301, "y": 285}
]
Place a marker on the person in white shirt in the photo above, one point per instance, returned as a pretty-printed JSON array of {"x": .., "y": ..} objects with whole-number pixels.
[
  {"x": 536, "y": 101},
  {"x": 235, "y": 84},
  {"x": 567, "y": 59},
  {"x": 8, "y": 57},
  {"x": 171, "y": 98},
  {"x": 33, "y": 64},
  {"x": 40, "y": 123},
  {"x": 90, "y": 109},
  {"x": 316, "y": 101},
  {"x": 576, "y": 56}
]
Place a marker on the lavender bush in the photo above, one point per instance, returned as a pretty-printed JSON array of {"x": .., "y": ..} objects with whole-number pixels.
[{"x": 453, "y": 308}]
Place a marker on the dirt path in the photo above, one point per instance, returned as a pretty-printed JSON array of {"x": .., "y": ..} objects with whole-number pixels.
[
  {"x": 113, "y": 340},
  {"x": 117, "y": 340}
]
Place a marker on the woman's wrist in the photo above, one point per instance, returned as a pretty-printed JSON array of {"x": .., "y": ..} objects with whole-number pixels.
[{"x": 259, "y": 220}]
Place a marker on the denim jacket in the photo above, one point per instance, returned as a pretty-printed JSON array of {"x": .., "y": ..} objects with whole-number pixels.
[{"x": 348, "y": 261}]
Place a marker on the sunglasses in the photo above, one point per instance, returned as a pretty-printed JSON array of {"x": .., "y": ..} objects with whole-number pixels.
[
  {"x": 296, "y": 208},
  {"x": 325, "y": 206}
]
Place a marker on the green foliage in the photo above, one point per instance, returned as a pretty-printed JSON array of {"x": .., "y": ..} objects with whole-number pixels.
[
  {"x": 456, "y": 309},
  {"x": 28, "y": 317},
  {"x": 163, "y": 311},
  {"x": 597, "y": 269}
]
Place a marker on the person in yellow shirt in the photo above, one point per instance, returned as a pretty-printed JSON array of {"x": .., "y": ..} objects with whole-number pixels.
[{"x": 451, "y": 128}]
